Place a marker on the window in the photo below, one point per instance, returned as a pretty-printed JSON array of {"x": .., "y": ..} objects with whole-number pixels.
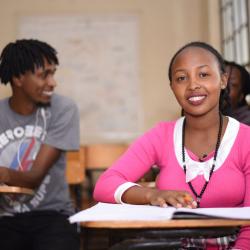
[{"x": 235, "y": 31}]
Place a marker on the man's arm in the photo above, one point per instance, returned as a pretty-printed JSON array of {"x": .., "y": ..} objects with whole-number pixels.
[{"x": 45, "y": 159}]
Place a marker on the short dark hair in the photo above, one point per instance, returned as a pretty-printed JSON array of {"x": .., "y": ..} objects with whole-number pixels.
[
  {"x": 24, "y": 55},
  {"x": 224, "y": 96},
  {"x": 245, "y": 79}
]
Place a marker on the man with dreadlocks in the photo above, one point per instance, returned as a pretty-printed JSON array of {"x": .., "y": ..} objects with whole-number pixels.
[{"x": 37, "y": 127}]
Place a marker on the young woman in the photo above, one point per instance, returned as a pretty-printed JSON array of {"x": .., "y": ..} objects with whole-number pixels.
[
  {"x": 199, "y": 156},
  {"x": 239, "y": 92}
]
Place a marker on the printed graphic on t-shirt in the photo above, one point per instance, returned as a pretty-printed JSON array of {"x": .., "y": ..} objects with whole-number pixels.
[{"x": 18, "y": 150}]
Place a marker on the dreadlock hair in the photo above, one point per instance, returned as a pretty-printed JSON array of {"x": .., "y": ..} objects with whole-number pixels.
[
  {"x": 24, "y": 55},
  {"x": 245, "y": 80},
  {"x": 224, "y": 96}
]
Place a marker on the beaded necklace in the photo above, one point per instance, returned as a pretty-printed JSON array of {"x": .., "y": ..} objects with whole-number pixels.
[{"x": 199, "y": 196}]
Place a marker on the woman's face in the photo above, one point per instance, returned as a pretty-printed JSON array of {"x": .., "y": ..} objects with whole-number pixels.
[
  {"x": 197, "y": 81},
  {"x": 234, "y": 84}
]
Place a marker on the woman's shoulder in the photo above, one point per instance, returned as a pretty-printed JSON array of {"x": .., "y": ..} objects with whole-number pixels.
[
  {"x": 244, "y": 127},
  {"x": 163, "y": 129},
  {"x": 243, "y": 130},
  {"x": 165, "y": 125}
]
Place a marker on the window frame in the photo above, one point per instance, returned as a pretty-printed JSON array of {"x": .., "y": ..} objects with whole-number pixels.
[{"x": 235, "y": 38}]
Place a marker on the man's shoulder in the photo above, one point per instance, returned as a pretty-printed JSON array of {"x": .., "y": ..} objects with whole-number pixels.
[
  {"x": 3, "y": 101},
  {"x": 4, "y": 105},
  {"x": 62, "y": 102}
]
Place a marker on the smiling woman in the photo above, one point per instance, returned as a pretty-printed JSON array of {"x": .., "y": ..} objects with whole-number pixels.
[
  {"x": 196, "y": 87},
  {"x": 198, "y": 79}
]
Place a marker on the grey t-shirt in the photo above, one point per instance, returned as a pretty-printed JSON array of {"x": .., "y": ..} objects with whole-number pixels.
[{"x": 56, "y": 125}]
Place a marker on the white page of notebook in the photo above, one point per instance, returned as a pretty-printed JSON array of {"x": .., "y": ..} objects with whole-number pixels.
[
  {"x": 106, "y": 211},
  {"x": 221, "y": 212}
]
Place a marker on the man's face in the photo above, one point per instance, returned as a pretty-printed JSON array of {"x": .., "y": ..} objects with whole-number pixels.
[{"x": 38, "y": 87}]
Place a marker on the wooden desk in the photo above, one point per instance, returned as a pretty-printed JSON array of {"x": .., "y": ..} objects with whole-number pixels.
[
  {"x": 173, "y": 230},
  {"x": 15, "y": 190},
  {"x": 190, "y": 223}
]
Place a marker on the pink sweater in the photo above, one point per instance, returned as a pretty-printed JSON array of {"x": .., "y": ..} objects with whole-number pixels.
[{"x": 229, "y": 185}]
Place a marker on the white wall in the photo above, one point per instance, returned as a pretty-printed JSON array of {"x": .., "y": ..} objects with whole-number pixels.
[{"x": 165, "y": 25}]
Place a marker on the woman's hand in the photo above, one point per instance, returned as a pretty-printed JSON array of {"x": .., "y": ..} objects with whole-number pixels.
[
  {"x": 144, "y": 195},
  {"x": 174, "y": 198}
]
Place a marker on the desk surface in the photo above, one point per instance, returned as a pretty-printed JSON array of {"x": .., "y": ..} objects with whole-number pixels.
[
  {"x": 189, "y": 223},
  {"x": 15, "y": 190}
]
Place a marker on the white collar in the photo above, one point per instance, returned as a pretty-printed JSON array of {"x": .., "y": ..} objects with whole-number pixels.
[{"x": 195, "y": 168}]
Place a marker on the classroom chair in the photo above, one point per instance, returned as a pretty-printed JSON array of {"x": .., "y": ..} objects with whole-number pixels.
[
  {"x": 99, "y": 157},
  {"x": 75, "y": 174}
]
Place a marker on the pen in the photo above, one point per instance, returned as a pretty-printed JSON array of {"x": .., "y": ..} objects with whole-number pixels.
[{"x": 187, "y": 198}]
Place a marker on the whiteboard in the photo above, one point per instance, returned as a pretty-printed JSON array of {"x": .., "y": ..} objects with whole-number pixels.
[{"x": 98, "y": 68}]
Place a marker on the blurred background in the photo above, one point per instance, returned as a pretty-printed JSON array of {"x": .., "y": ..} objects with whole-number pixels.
[
  {"x": 114, "y": 54},
  {"x": 114, "y": 57}
]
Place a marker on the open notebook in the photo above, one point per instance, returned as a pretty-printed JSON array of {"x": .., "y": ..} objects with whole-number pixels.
[{"x": 107, "y": 211}]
